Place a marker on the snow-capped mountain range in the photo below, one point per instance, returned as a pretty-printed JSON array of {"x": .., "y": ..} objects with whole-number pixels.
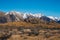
[
  {"x": 24, "y": 15},
  {"x": 17, "y": 16}
]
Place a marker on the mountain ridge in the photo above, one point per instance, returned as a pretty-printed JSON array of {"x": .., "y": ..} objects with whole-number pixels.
[{"x": 17, "y": 16}]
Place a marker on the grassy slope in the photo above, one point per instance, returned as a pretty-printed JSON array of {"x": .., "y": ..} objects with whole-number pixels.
[{"x": 27, "y": 24}]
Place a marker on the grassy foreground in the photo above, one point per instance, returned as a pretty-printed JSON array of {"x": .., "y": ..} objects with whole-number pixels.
[{"x": 28, "y": 31}]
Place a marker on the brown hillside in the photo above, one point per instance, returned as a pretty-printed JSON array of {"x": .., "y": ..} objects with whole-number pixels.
[{"x": 27, "y": 24}]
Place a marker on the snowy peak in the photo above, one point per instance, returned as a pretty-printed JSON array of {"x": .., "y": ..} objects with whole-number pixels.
[
  {"x": 54, "y": 18},
  {"x": 51, "y": 17},
  {"x": 13, "y": 12},
  {"x": 25, "y": 15},
  {"x": 15, "y": 16}
]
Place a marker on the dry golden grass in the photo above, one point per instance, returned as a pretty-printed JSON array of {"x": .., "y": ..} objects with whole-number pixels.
[
  {"x": 27, "y": 24},
  {"x": 40, "y": 37}
]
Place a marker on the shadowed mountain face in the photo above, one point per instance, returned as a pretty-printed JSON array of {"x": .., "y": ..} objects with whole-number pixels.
[
  {"x": 58, "y": 21},
  {"x": 17, "y": 16},
  {"x": 3, "y": 20},
  {"x": 12, "y": 18},
  {"x": 46, "y": 19},
  {"x": 2, "y": 17}
]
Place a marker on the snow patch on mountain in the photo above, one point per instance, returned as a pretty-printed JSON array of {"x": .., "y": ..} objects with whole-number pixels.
[
  {"x": 54, "y": 18},
  {"x": 51, "y": 17}
]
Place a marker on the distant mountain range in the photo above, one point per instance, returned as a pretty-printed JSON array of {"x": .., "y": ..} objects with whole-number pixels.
[{"x": 14, "y": 16}]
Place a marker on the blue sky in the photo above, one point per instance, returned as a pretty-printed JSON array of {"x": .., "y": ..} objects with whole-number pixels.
[{"x": 46, "y": 7}]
